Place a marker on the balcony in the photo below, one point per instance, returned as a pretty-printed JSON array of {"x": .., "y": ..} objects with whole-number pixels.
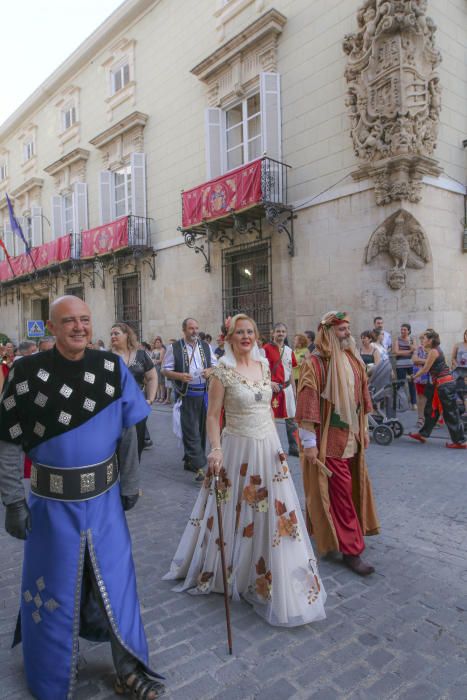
[
  {"x": 87, "y": 254},
  {"x": 237, "y": 203},
  {"x": 39, "y": 260}
]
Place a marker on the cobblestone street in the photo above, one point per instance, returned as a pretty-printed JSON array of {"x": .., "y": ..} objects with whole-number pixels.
[{"x": 401, "y": 633}]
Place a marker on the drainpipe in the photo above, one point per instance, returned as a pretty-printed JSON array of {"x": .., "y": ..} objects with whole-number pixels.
[{"x": 464, "y": 241}]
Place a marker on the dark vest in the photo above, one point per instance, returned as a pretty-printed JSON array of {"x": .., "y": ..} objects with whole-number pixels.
[{"x": 181, "y": 363}]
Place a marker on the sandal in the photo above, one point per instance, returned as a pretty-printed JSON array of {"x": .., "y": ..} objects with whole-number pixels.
[{"x": 139, "y": 685}]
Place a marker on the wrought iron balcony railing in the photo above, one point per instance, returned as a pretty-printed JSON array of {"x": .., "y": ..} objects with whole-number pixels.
[{"x": 237, "y": 203}]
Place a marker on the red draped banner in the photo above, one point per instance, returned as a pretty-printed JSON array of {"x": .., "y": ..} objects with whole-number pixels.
[
  {"x": 44, "y": 255},
  {"x": 237, "y": 190},
  {"x": 105, "y": 239}
]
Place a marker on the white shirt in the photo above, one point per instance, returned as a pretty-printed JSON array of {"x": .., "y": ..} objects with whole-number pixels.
[
  {"x": 194, "y": 358},
  {"x": 387, "y": 340}
]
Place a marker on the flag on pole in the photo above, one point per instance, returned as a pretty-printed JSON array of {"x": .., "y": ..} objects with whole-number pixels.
[
  {"x": 3, "y": 247},
  {"x": 15, "y": 227}
]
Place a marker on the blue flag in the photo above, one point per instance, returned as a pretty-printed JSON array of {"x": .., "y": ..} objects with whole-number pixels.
[{"x": 15, "y": 227}]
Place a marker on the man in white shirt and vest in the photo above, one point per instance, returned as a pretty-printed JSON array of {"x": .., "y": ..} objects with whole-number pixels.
[{"x": 188, "y": 363}]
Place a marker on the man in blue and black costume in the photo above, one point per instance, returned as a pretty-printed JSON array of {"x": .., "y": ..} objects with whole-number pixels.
[{"x": 73, "y": 411}]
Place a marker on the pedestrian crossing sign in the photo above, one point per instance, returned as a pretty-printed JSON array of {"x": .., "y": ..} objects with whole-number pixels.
[{"x": 36, "y": 329}]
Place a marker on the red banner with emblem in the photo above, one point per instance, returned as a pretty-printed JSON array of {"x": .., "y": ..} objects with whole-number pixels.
[
  {"x": 105, "y": 239},
  {"x": 237, "y": 190},
  {"x": 41, "y": 256}
]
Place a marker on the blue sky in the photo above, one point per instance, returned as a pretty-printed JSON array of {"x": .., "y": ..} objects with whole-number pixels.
[{"x": 37, "y": 36}]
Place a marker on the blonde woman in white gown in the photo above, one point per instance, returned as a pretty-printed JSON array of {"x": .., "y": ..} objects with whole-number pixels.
[{"x": 269, "y": 556}]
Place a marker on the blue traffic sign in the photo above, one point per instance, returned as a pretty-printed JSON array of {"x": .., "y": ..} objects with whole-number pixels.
[{"x": 36, "y": 329}]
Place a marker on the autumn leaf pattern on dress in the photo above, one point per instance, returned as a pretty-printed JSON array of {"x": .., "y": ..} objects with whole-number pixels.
[{"x": 263, "y": 580}]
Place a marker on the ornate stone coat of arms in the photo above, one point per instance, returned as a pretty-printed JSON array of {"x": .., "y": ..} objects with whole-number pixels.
[{"x": 394, "y": 96}]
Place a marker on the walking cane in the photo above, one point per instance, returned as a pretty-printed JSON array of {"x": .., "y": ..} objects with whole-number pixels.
[{"x": 224, "y": 570}]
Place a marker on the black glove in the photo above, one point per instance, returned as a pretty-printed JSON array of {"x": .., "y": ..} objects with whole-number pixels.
[
  {"x": 128, "y": 502},
  {"x": 18, "y": 520}
]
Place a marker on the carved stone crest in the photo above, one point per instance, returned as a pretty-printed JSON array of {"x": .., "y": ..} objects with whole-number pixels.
[
  {"x": 393, "y": 94},
  {"x": 403, "y": 239}
]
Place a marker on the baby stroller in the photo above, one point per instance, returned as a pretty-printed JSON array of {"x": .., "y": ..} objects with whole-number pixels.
[{"x": 388, "y": 397}]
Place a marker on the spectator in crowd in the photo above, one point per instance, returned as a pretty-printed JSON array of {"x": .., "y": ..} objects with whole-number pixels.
[
  {"x": 157, "y": 356},
  {"x": 25, "y": 348},
  {"x": 368, "y": 352},
  {"x": 100, "y": 345},
  {"x": 378, "y": 324},
  {"x": 459, "y": 365},
  {"x": 124, "y": 343},
  {"x": 418, "y": 360},
  {"x": 404, "y": 348},
  {"x": 281, "y": 363},
  {"x": 311, "y": 340},
  {"x": 377, "y": 336},
  {"x": 301, "y": 352},
  {"x": 9, "y": 353},
  {"x": 168, "y": 382},
  {"x": 188, "y": 362},
  {"x": 220, "y": 350},
  {"x": 208, "y": 339},
  {"x": 46, "y": 343}
]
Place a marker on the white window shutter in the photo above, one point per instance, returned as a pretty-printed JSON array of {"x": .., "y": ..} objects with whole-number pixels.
[
  {"x": 105, "y": 194},
  {"x": 214, "y": 134},
  {"x": 269, "y": 87},
  {"x": 8, "y": 235},
  {"x": 57, "y": 216},
  {"x": 80, "y": 207},
  {"x": 36, "y": 224},
  {"x": 138, "y": 184}
]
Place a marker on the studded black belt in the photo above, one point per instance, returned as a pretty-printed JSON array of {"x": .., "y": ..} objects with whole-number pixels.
[{"x": 77, "y": 484}]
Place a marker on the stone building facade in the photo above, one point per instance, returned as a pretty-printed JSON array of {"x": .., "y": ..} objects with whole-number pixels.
[{"x": 365, "y": 100}]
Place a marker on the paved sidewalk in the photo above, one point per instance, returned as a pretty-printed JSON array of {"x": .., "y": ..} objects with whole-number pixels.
[{"x": 401, "y": 634}]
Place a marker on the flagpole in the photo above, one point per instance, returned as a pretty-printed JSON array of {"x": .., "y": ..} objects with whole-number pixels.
[
  {"x": 16, "y": 228},
  {"x": 7, "y": 256}
]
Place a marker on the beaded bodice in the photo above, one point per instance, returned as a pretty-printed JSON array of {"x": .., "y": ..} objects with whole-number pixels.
[{"x": 247, "y": 403}]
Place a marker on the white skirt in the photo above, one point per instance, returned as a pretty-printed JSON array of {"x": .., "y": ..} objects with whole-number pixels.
[{"x": 269, "y": 556}]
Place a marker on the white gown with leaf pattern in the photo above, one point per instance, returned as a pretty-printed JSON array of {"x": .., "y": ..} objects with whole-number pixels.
[{"x": 270, "y": 559}]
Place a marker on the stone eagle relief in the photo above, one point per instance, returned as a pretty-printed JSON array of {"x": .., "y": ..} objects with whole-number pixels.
[
  {"x": 394, "y": 96},
  {"x": 404, "y": 240}
]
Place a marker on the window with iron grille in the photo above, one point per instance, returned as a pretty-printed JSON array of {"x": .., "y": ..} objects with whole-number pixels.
[
  {"x": 75, "y": 290},
  {"x": 246, "y": 283},
  {"x": 127, "y": 289}
]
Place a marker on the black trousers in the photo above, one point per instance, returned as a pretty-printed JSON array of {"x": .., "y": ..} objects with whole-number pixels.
[
  {"x": 403, "y": 373},
  {"x": 124, "y": 662},
  {"x": 140, "y": 434},
  {"x": 193, "y": 423},
  {"x": 448, "y": 398}
]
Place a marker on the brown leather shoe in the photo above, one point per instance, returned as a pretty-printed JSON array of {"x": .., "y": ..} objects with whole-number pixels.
[{"x": 356, "y": 565}]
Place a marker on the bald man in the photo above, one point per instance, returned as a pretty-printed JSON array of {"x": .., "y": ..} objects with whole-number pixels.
[{"x": 73, "y": 411}]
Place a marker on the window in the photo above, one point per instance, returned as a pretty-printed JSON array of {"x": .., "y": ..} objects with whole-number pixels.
[
  {"x": 68, "y": 222},
  {"x": 120, "y": 77},
  {"x": 246, "y": 283},
  {"x": 243, "y": 132},
  {"x": 70, "y": 211},
  {"x": 122, "y": 191},
  {"x": 76, "y": 290},
  {"x": 127, "y": 291},
  {"x": 68, "y": 117},
  {"x": 3, "y": 172},
  {"x": 28, "y": 150}
]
